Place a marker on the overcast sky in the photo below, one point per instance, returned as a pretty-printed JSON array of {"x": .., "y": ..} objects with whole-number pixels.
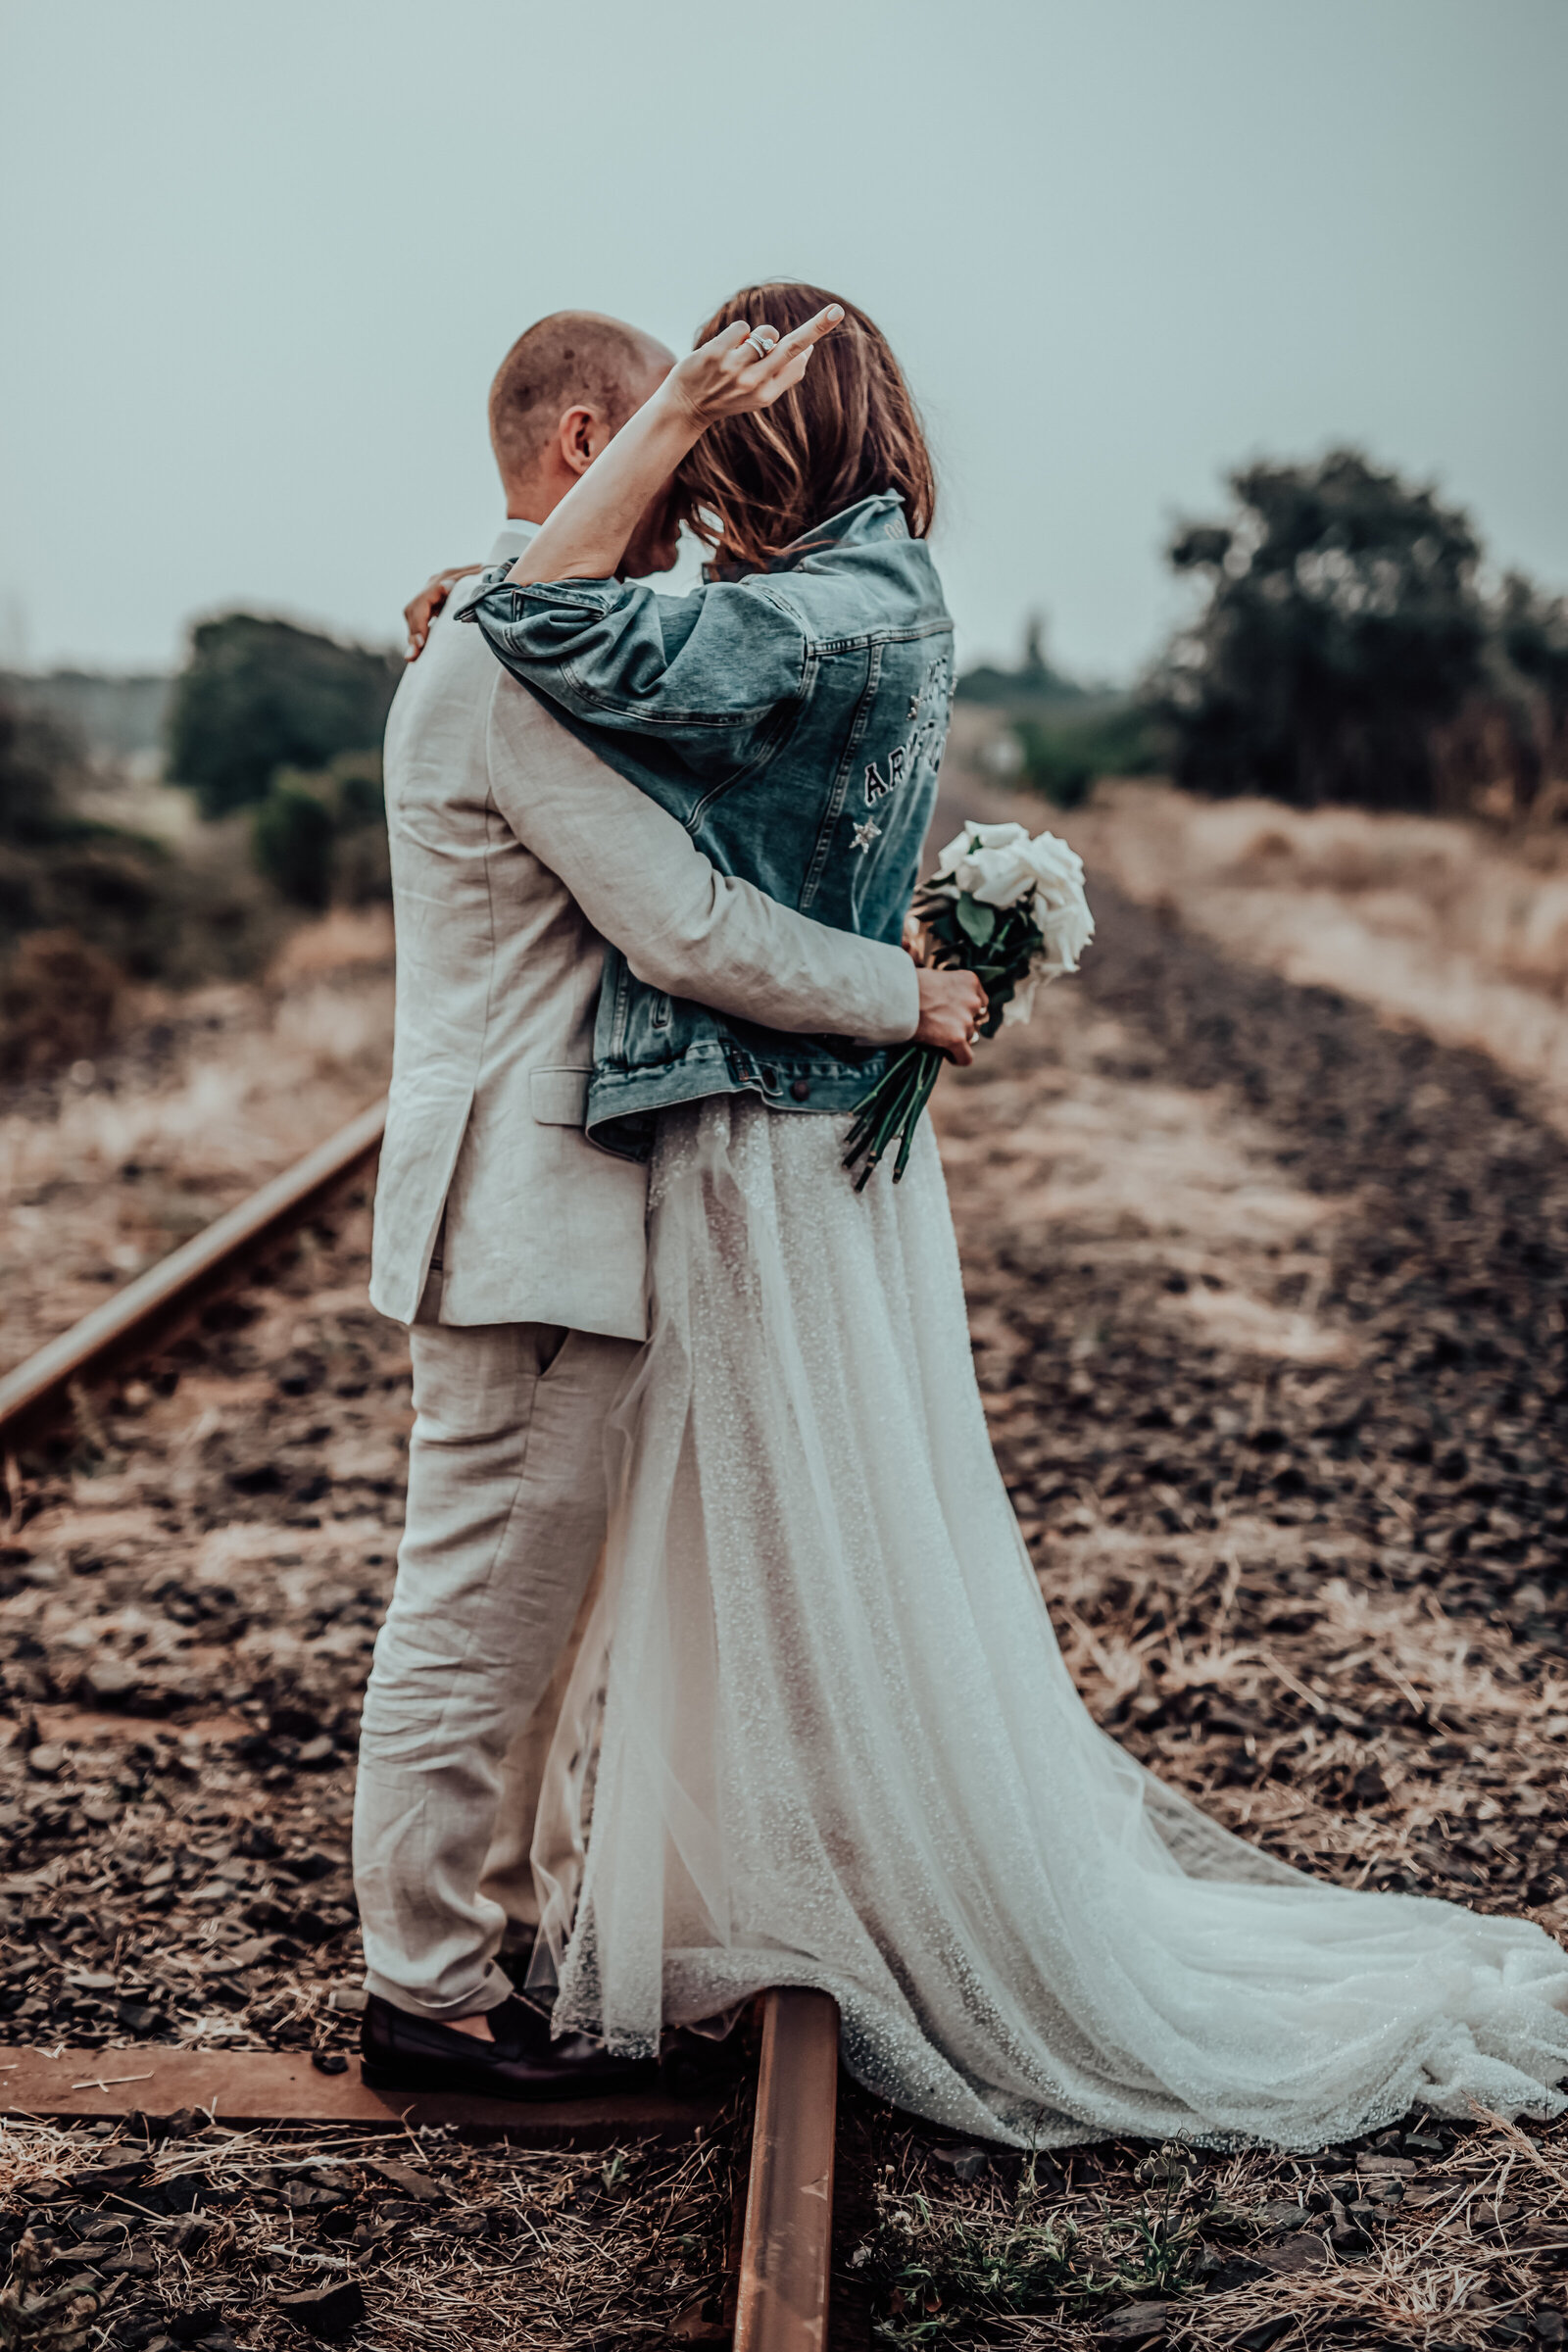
[{"x": 260, "y": 265}]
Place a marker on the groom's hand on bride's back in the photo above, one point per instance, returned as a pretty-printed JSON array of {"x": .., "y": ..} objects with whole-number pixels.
[{"x": 953, "y": 1006}]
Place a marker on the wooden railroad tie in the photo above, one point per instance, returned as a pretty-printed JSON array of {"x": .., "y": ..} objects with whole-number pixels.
[{"x": 268, "y": 2086}]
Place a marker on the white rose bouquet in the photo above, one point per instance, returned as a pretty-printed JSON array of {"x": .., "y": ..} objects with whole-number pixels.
[{"x": 1012, "y": 909}]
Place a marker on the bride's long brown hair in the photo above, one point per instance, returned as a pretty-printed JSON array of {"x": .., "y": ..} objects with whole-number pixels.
[{"x": 754, "y": 485}]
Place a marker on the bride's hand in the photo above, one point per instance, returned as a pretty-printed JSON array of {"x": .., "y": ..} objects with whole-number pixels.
[
  {"x": 422, "y": 609},
  {"x": 743, "y": 369},
  {"x": 953, "y": 1006}
]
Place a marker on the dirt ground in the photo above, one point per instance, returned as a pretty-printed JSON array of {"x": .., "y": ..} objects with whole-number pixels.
[{"x": 1268, "y": 1293}]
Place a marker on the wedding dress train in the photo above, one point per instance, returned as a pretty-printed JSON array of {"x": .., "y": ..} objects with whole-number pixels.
[{"x": 839, "y": 1746}]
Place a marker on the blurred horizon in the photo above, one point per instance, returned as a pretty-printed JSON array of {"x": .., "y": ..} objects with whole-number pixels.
[{"x": 260, "y": 272}]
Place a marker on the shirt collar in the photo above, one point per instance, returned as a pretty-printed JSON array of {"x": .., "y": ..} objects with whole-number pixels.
[{"x": 512, "y": 537}]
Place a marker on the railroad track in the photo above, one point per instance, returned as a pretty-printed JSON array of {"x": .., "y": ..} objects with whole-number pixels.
[{"x": 782, "y": 2283}]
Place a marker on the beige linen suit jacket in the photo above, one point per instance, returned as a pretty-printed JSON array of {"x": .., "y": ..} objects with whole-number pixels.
[{"x": 516, "y": 852}]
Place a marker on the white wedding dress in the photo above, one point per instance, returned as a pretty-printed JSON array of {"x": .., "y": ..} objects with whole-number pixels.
[{"x": 836, "y": 1744}]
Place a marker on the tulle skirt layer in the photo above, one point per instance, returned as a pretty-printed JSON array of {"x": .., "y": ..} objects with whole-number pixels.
[{"x": 833, "y": 1741}]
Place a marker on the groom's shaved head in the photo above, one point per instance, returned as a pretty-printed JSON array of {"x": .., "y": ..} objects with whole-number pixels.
[{"x": 573, "y": 359}]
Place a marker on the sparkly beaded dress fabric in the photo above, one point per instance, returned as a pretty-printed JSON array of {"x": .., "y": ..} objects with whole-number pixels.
[{"x": 836, "y": 1744}]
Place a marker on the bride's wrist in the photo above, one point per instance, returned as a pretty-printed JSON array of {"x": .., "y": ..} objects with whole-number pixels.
[{"x": 678, "y": 405}]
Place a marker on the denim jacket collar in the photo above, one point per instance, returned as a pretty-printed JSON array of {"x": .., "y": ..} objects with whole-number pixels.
[{"x": 880, "y": 517}]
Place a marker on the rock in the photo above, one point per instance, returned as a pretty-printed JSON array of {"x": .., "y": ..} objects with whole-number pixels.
[
  {"x": 700, "y": 2323},
  {"x": 1139, "y": 2325},
  {"x": 183, "y": 2124},
  {"x": 315, "y": 1754},
  {"x": 413, "y": 2183},
  {"x": 132, "y": 2262},
  {"x": 1301, "y": 2250},
  {"x": 105, "y": 2179},
  {"x": 329, "y": 2062},
  {"x": 312, "y": 1925},
  {"x": 109, "y": 1681},
  {"x": 46, "y": 1761},
  {"x": 270, "y": 1917},
  {"x": 1265, "y": 2333},
  {"x": 1282, "y": 2215},
  {"x": 197, "y": 2319},
  {"x": 328, "y": 2312},
  {"x": 312, "y": 1864},
  {"x": 305, "y": 2196},
  {"x": 249, "y": 1954},
  {"x": 293, "y": 1723},
  {"x": 967, "y": 2163},
  {"x": 142, "y": 2019},
  {"x": 400, "y": 2212}
]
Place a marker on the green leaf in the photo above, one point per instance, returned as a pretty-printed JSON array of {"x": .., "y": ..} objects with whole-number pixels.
[{"x": 977, "y": 922}]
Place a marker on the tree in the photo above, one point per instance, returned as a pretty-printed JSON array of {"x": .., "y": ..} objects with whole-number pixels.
[
  {"x": 35, "y": 753},
  {"x": 1533, "y": 638},
  {"x": 1343, "y": 629},
  {"x": 260, "y": 695},
  {"x": 1033, "y": 682},
  {"x": 294, "y": 834}
]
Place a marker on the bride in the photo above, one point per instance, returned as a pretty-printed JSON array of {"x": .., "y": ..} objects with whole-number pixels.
[{"x": 839, "y": 1746}]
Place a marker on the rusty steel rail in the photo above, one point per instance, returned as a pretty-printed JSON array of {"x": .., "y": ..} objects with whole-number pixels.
[
  {"x": 786, "y": 2249},
  {"x": 159, "y": 1301}
]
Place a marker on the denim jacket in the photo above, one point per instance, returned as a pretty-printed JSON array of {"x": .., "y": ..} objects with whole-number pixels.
[{"x": 793, "y": 719}]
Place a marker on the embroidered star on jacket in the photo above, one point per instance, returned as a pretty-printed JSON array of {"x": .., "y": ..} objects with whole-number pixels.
[{"x": 866, "y": 834}]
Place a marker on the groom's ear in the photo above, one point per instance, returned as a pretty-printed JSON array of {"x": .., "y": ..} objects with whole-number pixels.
[{"x": 582, "y": 433}]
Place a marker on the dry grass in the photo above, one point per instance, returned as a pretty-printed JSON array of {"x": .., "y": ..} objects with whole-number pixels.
[
  {"x": 1436, "y": 922},
  {"x": 1455, "y": 2246},
  {"x": 105, "y": 1170},
  {"x": 492, "y": 2247}
]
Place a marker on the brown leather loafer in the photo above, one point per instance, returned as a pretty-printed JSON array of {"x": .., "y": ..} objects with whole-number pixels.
[{"x": 402, "y": 2052}]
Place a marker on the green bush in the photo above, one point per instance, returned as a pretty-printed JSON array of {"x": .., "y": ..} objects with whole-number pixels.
[
  {"x": 260, "y": 695},
  {"x": 36, "y": 753},
  {"x": 293, "y": 834},
  {"x": 1063, "y": 752},
  {"x": 1035, "y": 680},
  {"x": 322, "y": 837}
]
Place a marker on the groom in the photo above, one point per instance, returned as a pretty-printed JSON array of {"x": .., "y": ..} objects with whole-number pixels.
[{"x": 511, "y": 1246}]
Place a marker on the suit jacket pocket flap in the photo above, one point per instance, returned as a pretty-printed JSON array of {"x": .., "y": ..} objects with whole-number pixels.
[{"x": 559, "y": 1098}]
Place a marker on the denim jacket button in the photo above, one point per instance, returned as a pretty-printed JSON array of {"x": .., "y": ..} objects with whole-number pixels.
[{"x": 800, "y": 1088}]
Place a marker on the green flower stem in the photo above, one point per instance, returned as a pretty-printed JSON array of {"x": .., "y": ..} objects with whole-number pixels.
[
  {"x": 926, "y": 1088},
  {"x": 890, "y": 1111}
]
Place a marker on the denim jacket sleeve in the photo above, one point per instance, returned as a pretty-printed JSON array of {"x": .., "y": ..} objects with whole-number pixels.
[{"x": 713, "y": 675}]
